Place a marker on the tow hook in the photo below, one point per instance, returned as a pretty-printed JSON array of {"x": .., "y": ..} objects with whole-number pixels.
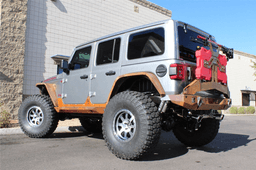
[
  {"x": 199, "y": 102},
  {"x": 220, "y": 118},
  {"x": 229, "y": 102}
]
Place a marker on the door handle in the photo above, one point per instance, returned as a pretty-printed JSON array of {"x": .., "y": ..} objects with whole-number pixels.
[
  {"x": 110, "y": 73},
  {"x": 84, "y": 76}
]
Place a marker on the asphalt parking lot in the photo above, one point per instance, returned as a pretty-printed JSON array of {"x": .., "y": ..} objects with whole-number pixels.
[{"x": 233, "y": 148}]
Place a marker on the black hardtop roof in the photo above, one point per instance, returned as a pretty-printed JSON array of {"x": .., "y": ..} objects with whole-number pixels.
[{"x": 126, "y": 31}]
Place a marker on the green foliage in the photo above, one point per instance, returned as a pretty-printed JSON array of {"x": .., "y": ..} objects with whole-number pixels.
[
  {"x": 4, "y": 118},
  {"x": 254, "y": 66},
  {"x": 233, "y": 110},
  {"x": 219, "y": 111},
  {"x": 250, "y": 110},
  {"x": 241, "y": 110}
]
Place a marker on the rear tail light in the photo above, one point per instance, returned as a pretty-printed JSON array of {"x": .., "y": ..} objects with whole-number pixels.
[{"x": 177, "y": 71}]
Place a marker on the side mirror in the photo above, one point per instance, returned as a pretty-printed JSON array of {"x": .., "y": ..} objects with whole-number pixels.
[{"x": 64, "y": 66}]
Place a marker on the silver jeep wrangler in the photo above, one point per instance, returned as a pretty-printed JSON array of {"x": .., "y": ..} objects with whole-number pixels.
[{"x": 132, "y": 84}]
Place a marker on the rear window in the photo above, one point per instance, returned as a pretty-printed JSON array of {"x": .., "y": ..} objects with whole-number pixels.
[
  {"x": 146, "y": 44},
  {"x": 187, "y": 47}
]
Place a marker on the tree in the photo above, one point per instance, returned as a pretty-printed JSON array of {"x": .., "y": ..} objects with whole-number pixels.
[{"x": 254, "y": 66}]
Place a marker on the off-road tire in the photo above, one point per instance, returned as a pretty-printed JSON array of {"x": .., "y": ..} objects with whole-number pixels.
[
  {"x": 37, "y": 116},
  {"x": 91, "y": 125},
  {"x": 144, "y": 123},
  {"x": 205, "y": 134}
]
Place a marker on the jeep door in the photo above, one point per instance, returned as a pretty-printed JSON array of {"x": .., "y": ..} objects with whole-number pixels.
[
  {"x": 76, "y": 83},
  {"x": 105, "y": 70}
]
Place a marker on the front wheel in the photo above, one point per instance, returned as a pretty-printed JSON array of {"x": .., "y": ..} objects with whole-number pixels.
[
  {"x": 204, "y": 135},
  {"x": 37, "y": 117},
  {"x": 131, "y": 125}
]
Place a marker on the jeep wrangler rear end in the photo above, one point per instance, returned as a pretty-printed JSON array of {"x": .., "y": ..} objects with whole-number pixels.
[{"x": 133, "y": 84}]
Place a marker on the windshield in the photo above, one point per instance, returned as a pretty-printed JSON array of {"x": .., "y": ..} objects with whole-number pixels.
[{"x": 188, "y": 43}]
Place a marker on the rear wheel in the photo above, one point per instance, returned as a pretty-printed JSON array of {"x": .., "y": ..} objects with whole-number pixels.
[
  {"x": 204, "y": 135},
  {"x": 131, "y": 125},
  {"x": 37, "y": 117}
]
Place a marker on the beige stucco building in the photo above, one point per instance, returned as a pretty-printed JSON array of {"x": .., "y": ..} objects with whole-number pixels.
[
  {"x": 34, "y": 30},
  {"x": 242, "y": 84}
]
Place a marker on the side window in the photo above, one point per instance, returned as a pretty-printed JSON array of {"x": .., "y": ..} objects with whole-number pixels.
[
  {"x": 59, "y": 70},
  {"x": 81, "y": 58},
  {"x": 146, "y": 44},
  {"x": 108, "y": 52}
]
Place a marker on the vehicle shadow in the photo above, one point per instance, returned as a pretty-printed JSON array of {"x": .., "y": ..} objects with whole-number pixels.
[
  {"x": 169, "y": 147},
  {"x": 76, "y": 131},
  {"x": 225, "y": 142}
]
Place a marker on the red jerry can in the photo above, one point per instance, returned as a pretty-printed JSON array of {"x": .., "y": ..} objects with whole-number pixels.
[
  {"x": 222, "y": 76},
  {"x": 202, "y": 72}
]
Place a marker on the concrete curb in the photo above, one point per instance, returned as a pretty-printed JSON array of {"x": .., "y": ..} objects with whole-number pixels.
[
  {"x": 240, "y": 114},
  {"x": 62, "y": 129},
  {"x": 9, "y": 131}
]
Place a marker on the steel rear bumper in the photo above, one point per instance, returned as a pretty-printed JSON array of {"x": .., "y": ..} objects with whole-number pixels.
[
  {"x": 194, "y": 102},
  {"x": 190, "y": 100}
]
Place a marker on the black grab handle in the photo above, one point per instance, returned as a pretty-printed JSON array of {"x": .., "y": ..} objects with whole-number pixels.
[
  {"x": 84, "y": 76},
  {"x": 110, "y": 73}
]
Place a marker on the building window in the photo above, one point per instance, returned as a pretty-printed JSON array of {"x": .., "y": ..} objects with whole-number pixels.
[
  {"x": 146, "y": 44},
  {"x": 136, "y": 9},
  {"x": 252, "y": 99},
  {"x": 245, "y": 99},
  {"x": 248, "y": 98}
]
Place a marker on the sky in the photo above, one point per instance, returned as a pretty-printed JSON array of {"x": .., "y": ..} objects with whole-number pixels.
[{"x": 231, "y": 22}]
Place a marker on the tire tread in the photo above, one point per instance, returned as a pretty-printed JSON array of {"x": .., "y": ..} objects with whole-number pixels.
[
  {"x": 46, "y": 102},
  {"x": 144, "y": 105}
]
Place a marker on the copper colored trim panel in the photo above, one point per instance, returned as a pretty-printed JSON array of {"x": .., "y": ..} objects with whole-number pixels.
[
  {"x": 152, "y": 77},
  {"x": 51, "y": 88},
  {"x": 87, "y": 107}
]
